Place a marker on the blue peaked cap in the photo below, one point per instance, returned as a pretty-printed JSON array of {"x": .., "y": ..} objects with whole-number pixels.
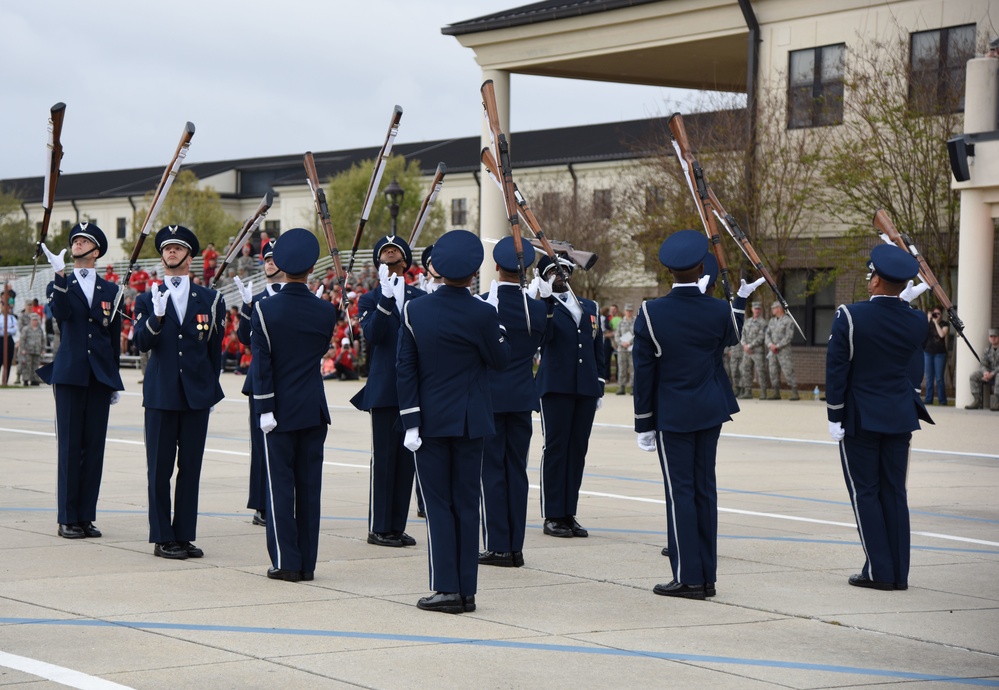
[
  {"x": 177, "y": 234},
  {"x": 683, "y": 250},
  {"x": 296, "y": 251},
  {"x": 893, "y": 263},
  {"x": 505, "y": 254},
  {"x": 458, "y": 254},
  {"x": 92, "y": 233}
]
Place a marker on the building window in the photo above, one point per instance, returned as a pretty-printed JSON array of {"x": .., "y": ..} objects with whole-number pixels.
[
  {"x": 65, "y": 225},
  {"x": 122, "y": 227},
  {"x": 812, "y": 307},
  {"x": 459, "y": 212},
  {"x": 815, "y": 86},
  {"x": 655, "y": 199},
  {"x": 272, "y": 228},
  {"x": 551, "y": 204},
  {"x": 602, "y": 206},
  {"x": 937, "y": 62}
]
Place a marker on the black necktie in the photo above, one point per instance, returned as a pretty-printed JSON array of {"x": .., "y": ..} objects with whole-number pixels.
[
  {"x": 276, "y": 287},
  {"x": 84, "y": 272},
  {"x": 175, "y": 281}
]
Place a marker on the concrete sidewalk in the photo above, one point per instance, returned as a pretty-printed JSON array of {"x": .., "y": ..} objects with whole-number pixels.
[{"x": 579, "y": 614}]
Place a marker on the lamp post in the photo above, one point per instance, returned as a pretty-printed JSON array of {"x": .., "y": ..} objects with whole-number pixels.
[{"x": 394, "y": 194}]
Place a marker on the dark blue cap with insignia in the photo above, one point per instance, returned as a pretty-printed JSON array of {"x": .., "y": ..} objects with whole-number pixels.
[
  {"x": 505, "y": 255},
  {"x": 458, "y": 254},
  {"x": 392, "y": 241},
  {"x": 269, "y": 248},
  {"x": 892, "y": 263},
  {"x": 296, "y": 251},
  {"x": 92, "y": 233},
  {"x": 683, "y": 250},
  {"x": 545, "y": 264},
  {"x": 177, "y": 234},
  {"x": 710, "y": 269},
  {"x": 425, "y": 257}
]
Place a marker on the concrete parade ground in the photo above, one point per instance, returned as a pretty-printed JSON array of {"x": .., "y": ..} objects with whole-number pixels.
[{"x": 105, "y": 613}]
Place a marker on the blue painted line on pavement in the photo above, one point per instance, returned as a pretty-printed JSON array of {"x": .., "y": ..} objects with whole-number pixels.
[{"x": 509, "y": 644}]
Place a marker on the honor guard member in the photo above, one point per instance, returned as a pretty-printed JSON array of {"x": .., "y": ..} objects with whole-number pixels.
[
  {"x": 181, "y": 326},
  {"x": 682, "y": 397},
  {"x": 291, "y": 333},
  {"x": 570, "y": 381},
  {"x": 448, "y": 342},
  {"x": 504, "y": 456},
  {"x": 873, "y": 373},
  {"x": 84, "y": 376},
  {"x": 391, "y": 479},
  {"x": 258, "y": 478}
]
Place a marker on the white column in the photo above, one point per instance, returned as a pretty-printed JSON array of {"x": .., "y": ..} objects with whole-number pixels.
[
  {"x": 493, "y": 222},
  {"x": 977, "y": 234}
]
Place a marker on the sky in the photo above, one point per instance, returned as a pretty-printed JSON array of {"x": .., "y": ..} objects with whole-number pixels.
[{"x": 260, "y": 79}]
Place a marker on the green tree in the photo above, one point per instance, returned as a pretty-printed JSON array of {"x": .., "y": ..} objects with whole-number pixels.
[
  {"x": 17, "y": 239},
  {"x": 198, "y": 209},
  {"x": 345, "y": 194}
]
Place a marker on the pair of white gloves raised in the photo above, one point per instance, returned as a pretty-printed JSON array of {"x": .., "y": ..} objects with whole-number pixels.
[{"x": 392, "y": 286}]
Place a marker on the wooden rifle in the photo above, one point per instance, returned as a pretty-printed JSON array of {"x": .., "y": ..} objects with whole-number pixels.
[
  {"x": 421, "y": 216},
  {"x": 169, "y": 174},
  {"x": 887, "y": 231},
  {"x": 694, "y": 175},
  {"x": 250, "y": 226},
  {"x": 54, "y": 153},
  {"x": 376, "y": 176},
  {"x": 323, "y": 209}
]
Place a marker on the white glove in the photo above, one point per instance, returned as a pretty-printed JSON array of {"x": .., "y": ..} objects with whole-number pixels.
[
  {"x": 115, "y": 397},
  {"x": 910, "y": 292},
  {"x": 702, "y": 283},
  {"x": 600, "y": 403},
  {"x": 56, "y": 260},
  {"x": 836, "y": 431},
  {"x": 492, "y": 298},
  {"x": 399, "y": 291},
  {"x": 159, "y": 302},
  {"x": 540, "y": 289},
  {"x": 431, "y": 286},
  {"x": 319, "y": 290},
  {"x": 746, "y": 290},
  {"x": 421, "y": 281},
  {"x": 647, "y": 441},
  {"x": 384, "y": 281},
  {"x": 267, "y": 422},
  {"x": 413, "y": 440},
  {"x": 245, "y": 291}
]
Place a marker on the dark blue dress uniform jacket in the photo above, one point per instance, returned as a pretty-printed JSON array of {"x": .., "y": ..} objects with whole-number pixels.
[
  {"x": 680, "y": 383},
  {"x": 443, "y": 381},
  {"x": 243, "y": 332},
  {"x": 185, "y": 374},
  {"x": 870, "y": 365},
  {"x": 380, "y": 323},
  {"x": 513, "y": 386},
  {"x": 572, "y": 357},
  {"x": 85, "y": 332}
]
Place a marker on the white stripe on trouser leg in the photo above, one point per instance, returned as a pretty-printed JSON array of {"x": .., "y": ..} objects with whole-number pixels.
[
  {"x": 271, "y": 514},
  {"x": 544, "y": 447},
  {"x": 430, "y": 539},
  {"x": 672, "y": 504},
  {"x": 371, "y": 479},
  {"x": 851, "y": 487},
  {"x": 484, "y": 514}
]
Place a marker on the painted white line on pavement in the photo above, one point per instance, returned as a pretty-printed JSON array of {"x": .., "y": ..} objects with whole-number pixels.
[{"x": 57, "y": 674}]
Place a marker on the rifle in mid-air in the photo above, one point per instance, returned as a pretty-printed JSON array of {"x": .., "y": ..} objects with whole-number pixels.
[
  {"x": 250, "y": 226},
  {"x": 421, "y": 216},
  {"x": 376, "y": 176},
  {"x": 54, "y": 152},
  {"x": 169, "y": 174},
  {"x": 887, "y": 231}
]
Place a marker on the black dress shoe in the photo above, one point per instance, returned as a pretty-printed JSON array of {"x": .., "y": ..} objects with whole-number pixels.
[
  {"x": 71, "y": 532},
  {"x": 445, "y": 602},
  {"x": 860, "y": 580},
  {"x": 386, "y": 539},
  {"x": 308, "y": 575},
  {"x": 518, "y": 559},
  {"x": 192, "y": 550},
  {"x": 420, "y": 513},
  {"x": 405, "y": 539},
  {"x": 468, "y": 603},
  {"x": 555, "y": 528},
  {"x": 576, "y": 528},
  {"x": 709, "y": 589},
  {"x": 503, "y": 559},
  {"x": 259, "y": 518},
  {"x": 665, "y": 551},
  {"x": 90, "y": 530},
  {"x": 286, "y": 575},
  {"x": 678, "y": 589},
  {"x": 170, "y": 549}
]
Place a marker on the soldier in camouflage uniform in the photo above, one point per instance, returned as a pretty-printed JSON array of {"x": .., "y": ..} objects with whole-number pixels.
[
  {"x": 780, "y": 333},
  {"x": 30, "y": 350},
  {"x": 625, "y": 337},
  {"x": 986, "y": 374},
  {"x": 754, "y": 337},
  {"x": 733, "y": 366}
]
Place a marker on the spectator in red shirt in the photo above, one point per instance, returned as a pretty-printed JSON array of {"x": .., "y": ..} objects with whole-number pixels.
[
  {"x": 139, "y": 280},
  {"x": 110, "y": 275},
  {"x": 209, "y": 258}
]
